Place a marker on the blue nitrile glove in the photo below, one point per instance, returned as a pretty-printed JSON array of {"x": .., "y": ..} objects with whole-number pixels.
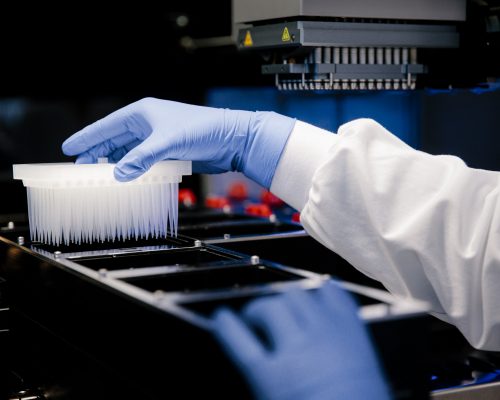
[
  {"x": 215, "y": 139},
  {"x": 314, "y": 348}
]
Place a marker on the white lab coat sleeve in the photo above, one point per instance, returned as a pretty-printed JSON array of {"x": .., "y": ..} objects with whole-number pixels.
[{"x": 427, "y": 227}]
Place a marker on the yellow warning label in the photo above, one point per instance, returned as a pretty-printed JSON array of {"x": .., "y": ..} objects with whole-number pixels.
[
  {"x": 285, "y": 36},
  {"x": 248, "y": 40}
]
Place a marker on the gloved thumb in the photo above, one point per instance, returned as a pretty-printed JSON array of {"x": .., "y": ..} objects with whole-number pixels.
[{"x": 137, "y": 161}]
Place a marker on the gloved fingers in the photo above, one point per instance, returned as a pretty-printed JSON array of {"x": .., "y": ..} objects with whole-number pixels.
[
  {"x": 108, "y": 127},
  {"x": 105, "y": 148},
  {"x": 85, "y": 158},
  {"x": 138, "y": 160},
  {"x": 236, "y": 337},
  {"x": 315, "y": 312},
  {"x": 273, "y": 317},
  {"x": 119, "y": 153},
  {"x": 338, "y": 301},
  {"x": 204, "y": 167},
  {"x": 342, "y": 310},
  {"x": 156, "y": 147}
]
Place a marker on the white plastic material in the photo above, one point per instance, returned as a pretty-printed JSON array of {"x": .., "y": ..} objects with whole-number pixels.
[{"x": 84, "y": 203}]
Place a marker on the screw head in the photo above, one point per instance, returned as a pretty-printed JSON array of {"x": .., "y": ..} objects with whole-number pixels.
[
  {"x": 103, "y": 272},
  {"x": 254, "y": 260},
  {"x": 158, "y": 294}
]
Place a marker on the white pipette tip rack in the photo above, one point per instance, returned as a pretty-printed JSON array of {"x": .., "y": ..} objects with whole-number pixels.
[{"x": 84, "y": 203}]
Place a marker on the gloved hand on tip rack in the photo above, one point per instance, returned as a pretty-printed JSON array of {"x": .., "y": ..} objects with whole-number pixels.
[
  {"x": 216, "y": 140},
  {"x": 314, "y": 347}
]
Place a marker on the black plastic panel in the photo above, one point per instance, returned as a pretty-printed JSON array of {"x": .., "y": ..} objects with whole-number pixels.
[
  {"x": 218, "y": 230},
  {"x": 192, "y": 257},
  {"x": 217, "y": 278},
  {"x": 197, "y": 218},
  {"x": 302, "y": 252}
]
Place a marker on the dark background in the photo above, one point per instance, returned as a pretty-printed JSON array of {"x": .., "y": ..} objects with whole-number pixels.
[{"x": 83, "y": 51}]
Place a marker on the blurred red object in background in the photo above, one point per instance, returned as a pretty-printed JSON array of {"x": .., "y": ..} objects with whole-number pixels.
[
  {"x": 238, "y": 191},
  {"x": 258, "y": 210},
  {"x": 187, "y": 198},
  {"x": 296, "y": 217},
  {"x": 270, "y": 199},
  {"x": 216, "y": 202}
]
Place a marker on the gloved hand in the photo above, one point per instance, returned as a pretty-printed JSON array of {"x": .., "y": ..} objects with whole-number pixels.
[
  {"x": 216, "y": 140},
  {"x": 314, "y": 348}
]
